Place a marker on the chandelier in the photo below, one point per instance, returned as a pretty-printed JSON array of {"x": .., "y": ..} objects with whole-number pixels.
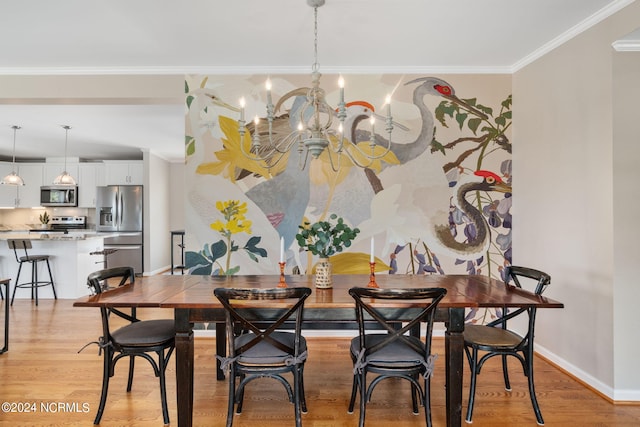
[
  {"x": 64, "y": 178},
  {"x": 315, "y": 131},
  {"x": 13, "y": 178}
]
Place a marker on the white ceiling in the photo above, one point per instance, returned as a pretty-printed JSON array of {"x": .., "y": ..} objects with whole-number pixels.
[{"x": 44, "y": 37}]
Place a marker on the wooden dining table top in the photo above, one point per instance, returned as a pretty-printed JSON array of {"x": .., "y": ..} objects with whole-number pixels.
[{"x": 195, "y": 291}]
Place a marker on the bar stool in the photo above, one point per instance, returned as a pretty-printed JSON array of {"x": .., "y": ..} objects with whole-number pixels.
[
  {"x": 34, "y": 284},
  {"x": 181, "y": 266},
  {"x": 105, "y": 254}
]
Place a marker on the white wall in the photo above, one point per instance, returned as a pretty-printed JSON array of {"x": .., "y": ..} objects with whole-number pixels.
[
  {"x": 157, "y": 213},
  {"x": 564, "y": 180},
  {"x": 626, "y": 232}
]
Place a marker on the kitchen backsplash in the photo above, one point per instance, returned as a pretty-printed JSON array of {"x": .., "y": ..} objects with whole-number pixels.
[{"x": 20, "y": 216}]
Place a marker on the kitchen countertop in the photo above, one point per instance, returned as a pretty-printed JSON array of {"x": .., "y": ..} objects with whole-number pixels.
[{"x": 55, "y": 236}]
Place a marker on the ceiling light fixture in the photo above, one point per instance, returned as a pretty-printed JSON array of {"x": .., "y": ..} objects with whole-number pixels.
[
  {"x": 64, "y": 178},
  {"x": 315, "y": 131},
  {"x": 13, "y": 178}
]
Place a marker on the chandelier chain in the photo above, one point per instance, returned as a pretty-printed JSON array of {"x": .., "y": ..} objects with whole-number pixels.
[{"x": 315, "y": 66}]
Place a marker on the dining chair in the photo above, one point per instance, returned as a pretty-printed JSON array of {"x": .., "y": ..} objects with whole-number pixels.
[
  {"x": 139, "y": 338},
  {"x": 396, "y": 351},
  {"x": 257, "y": 346},
  {"x": 496, "y": 340}
]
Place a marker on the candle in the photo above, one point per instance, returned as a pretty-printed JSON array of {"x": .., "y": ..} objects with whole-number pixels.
[
  {"x": 268, "y": 86},
  {"x": 388, "y": 102},
  {"x": 372, "y": 259},
  {"x": 341, "y": 86},
  {"x": 373, "y": 129},
  {"x": 281, "y": 249},
  {"x": 242, "y": 108}
]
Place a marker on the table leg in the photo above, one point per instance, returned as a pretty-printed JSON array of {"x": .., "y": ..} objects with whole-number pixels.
[
  {"x": 454, "y": 352},
  {"x": 184, "y": 367},
  {"x": 5, "y": 282}
]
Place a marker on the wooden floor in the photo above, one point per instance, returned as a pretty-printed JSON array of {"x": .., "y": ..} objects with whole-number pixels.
[{"x": 43, "y": 372}]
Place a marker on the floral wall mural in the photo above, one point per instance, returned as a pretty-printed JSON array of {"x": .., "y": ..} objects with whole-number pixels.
[{"x": 438, "y": 203}]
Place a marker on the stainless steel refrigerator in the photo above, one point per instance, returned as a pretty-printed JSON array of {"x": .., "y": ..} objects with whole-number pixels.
[{"x": 119, "y": 212}]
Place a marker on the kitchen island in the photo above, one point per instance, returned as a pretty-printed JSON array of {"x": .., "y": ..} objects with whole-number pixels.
[{"x": 70, "y": 261}]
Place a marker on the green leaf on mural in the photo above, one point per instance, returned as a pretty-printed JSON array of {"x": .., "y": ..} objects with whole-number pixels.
[
  {"x": 473, "y": 124},
  {"x": 186, "y": 87},
  {"x": 471, "y": 101},
  {"x": 218, "y": 250},
  {"x": 460, "y": 118},
  {"x": 252, "y": 247},
  {"x": 190, "y": 99},
  {"x": 500, "y": 120}
]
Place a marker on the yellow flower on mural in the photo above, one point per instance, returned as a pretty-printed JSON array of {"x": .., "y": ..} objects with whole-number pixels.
[
  {"x": 234, "y": 213},
  {"x": 231, "y": 160}
]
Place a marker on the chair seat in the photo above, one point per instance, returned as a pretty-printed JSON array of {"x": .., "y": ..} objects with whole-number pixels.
[
  {"x": 394, "y": 355},
  {"x": 488, "y": 336},
  {"x": 145, "y": 333},
  {"x": 264, "y": 353},
  {"x": 31, "y": 258}
]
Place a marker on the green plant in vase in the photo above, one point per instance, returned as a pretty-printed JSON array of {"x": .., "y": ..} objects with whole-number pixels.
[
  {"x": 44, "y": 219},
  {"x": 324, "y": 239}
]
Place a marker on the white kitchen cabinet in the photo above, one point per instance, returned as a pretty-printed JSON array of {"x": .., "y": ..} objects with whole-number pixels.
[
  {"x": 124, "y": 173},
  {"x": 29, "y": 194},
  {"x": 90, "y": 175},
  {"x": 52, "y": 170},
  {"x": 8, "y": 193}
]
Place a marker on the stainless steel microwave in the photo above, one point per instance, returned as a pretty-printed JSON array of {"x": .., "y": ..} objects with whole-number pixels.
[{"x": 59, "y": 195}]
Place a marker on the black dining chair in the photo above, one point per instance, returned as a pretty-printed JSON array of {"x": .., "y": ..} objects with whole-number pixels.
[
  {"x": 496, "y": 340},
  {"x": 397, "y": 351},
  {"x": 139, "y": 338},
  {"x": 257, "y": 347}
]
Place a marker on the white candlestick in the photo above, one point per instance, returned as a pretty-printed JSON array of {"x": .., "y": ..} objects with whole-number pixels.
[
  {"x": 372, "y": 257},
  {"x": 281, "y": 249}
]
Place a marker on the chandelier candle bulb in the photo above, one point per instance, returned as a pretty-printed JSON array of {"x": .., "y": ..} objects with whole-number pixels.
[
  {"x": 388, "y": 102},
  {"x": 242, "y": 103},
  {"x": 281, "y": 249},
  {"x": 372, "y": 257}
]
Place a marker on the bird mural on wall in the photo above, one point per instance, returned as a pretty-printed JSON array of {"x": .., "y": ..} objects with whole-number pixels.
[
  {"x": 424, "y": 188},
  {"x": 478, "y": 240}
]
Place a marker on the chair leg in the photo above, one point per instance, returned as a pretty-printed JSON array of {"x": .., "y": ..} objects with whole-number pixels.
[
  {"x": 296, "y": 396},
  {"x": 363, "y": 396},
  {"x": 532, "y": 390},
  {"x": 427, "y": 400},
  {"x": 131, "y": 366},
  {"x": 106, "y": 374},
  {"x": 414, "y": 399},
  {"x": 163, "y": 387},
  {"x": 15, "y": 287},
  {"x": 472, "y": 387},
  {"x": 34, "y": 280},
  {"x": 53, "y": 286},
  {"x": 303, "y": 399},
  {"x": 505, "y": 373},
  {"x": 232, "y": 396},
  {"x": 354, "y": 390}
]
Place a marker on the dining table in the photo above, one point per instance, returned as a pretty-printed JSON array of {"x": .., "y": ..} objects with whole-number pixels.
[{"x": 192, "y": 300}]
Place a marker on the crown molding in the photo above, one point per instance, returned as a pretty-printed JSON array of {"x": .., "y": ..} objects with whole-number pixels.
[
  {"x": 249, "y": 70},
  {"x": 597, "y": 17},
  {"x": 626, "y": 45}
]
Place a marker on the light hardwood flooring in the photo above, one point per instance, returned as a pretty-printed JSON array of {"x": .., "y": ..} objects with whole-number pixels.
[{"x": 44, "y": 371}]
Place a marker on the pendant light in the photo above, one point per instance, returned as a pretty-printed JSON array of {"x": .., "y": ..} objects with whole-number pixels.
[
  {"x": 64, "y": 178},
  {"x": 13, "y": 178}
]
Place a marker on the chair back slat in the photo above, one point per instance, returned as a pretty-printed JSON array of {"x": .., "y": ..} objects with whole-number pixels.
[
  {"x": 237, "y": 317},
  {"x": 430, "y": 297}
]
